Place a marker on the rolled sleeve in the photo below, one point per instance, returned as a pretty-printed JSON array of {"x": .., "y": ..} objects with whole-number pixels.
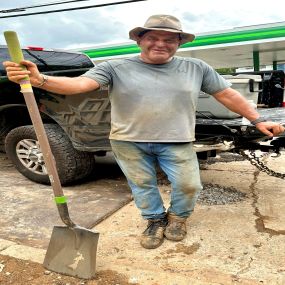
[
  {"x": 213, "y": 82},
  {"x": 100, "y": 73}
]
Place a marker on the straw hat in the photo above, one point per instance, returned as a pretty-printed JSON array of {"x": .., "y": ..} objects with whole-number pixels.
[{"x": 166, "y": 23}]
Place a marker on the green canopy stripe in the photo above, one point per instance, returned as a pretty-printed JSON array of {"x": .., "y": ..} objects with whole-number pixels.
[{"x": 215, "y": 39}]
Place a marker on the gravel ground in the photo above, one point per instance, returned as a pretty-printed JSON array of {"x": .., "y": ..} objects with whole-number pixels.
[
  {"x": 222, "y": 157},
  {"x": 214, "y": 194}
]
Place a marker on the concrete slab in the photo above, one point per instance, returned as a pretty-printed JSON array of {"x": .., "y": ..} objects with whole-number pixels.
[
  {"x": 267, "y": 193},
  {"x": 5, "y": 244},
  {"x": 28, "y": 212},
  {"x": 224, "y": 244},
  {"x": 222, "y": 247},
  {"x": 270, "y": 200},
  {"x": 25, "y": 252}
]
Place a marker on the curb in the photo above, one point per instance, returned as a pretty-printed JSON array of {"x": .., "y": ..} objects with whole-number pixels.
[{"x": 24, "y": 252}]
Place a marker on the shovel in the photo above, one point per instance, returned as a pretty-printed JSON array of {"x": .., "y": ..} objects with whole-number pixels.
[{"x": 72, "y": 249}]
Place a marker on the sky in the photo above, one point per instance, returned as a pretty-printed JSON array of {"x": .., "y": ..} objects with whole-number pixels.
[{"x": 90, "y": 27}]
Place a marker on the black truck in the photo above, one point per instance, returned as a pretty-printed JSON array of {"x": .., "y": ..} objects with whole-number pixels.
[{"x": 78, "y": 126}]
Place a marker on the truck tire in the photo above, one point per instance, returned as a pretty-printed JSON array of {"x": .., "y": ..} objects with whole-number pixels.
[
  {"x": 23, "y": 150},
  {"x": 4, "y": 130}
]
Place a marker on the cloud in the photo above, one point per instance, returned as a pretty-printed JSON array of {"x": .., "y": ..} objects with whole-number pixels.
[{"x": 111, "y": 24}]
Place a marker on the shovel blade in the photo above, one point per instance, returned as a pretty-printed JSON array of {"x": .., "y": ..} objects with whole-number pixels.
[{"x": 72, "y": 251}]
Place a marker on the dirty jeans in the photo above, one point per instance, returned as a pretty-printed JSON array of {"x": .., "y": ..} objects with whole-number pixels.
[{"x": 138, "y": 161}]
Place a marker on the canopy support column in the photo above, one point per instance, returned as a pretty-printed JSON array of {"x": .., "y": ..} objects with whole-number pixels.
[{"x": 256, "y": 66}]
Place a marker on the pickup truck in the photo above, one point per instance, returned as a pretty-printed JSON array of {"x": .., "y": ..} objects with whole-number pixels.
[{"x": 78, "y": 126}]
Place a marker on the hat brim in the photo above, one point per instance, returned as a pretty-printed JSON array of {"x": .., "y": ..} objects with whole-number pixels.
[{"x": 185, "y": 37}]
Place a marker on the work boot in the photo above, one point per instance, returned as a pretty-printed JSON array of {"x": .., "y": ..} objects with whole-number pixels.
[
  {"x": 152, "y": 237},
  {"x": 176, "y": 227}
]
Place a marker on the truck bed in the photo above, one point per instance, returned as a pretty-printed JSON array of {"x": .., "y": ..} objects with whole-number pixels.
[
  {"x": 212, "y": 130},
  {"x": 271, "y": 114}
]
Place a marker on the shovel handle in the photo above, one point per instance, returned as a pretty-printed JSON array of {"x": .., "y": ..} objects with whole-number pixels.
[{"x": 26, "y": 88}]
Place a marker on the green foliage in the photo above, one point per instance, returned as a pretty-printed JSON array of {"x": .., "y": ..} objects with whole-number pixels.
[{"x": 226, "y": 70}]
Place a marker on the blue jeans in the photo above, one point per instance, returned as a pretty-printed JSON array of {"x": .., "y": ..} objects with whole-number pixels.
[{"x": 138, "y": 162}]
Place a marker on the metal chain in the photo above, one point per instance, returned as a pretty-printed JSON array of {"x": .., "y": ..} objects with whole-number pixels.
[{"x": 255, "y": 160}]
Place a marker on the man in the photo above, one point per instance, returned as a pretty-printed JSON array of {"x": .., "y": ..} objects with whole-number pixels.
[{"x": 153, "y": 98}]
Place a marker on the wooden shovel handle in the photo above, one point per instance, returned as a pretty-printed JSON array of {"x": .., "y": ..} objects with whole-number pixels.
[{"x": 26, "y": 88}]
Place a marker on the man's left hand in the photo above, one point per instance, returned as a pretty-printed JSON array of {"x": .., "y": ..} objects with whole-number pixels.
[{"x": 270, "y": 129}]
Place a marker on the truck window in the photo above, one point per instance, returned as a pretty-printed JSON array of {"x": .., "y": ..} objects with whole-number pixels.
[{"x": 50, "y": 60}]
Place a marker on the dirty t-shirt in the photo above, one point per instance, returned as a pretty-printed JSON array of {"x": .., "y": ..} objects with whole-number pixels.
[{"x": 155, "y": 102}]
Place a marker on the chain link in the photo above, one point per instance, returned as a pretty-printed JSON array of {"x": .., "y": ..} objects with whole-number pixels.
[{"x": 255, "y": 160}]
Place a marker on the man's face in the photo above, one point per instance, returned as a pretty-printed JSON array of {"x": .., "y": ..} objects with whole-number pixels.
[{"x": 158, "y": 47}]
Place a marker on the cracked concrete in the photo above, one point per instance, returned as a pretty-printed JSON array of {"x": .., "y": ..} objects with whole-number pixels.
[
  {"x": 267, "y": 193},
  {"x": 260, "y": 221}
]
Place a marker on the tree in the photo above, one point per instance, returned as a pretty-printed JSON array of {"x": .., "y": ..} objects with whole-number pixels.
[{"x": 226, "y": 70}]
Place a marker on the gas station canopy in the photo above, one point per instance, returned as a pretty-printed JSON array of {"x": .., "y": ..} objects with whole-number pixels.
[{"x": 251, "y": 46}]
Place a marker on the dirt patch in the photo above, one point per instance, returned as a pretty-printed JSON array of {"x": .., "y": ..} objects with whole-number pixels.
[
  {"x": 182, "y": 248},
  {"x": 16, "y": 271}
]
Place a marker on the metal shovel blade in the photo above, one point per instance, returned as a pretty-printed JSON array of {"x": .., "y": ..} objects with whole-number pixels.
[{"x": 72, "y": 251}]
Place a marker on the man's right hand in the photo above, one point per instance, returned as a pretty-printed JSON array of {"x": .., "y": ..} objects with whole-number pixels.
[
  {"x": 16, "y": 73},
  {"x": 56, "y": 84}
]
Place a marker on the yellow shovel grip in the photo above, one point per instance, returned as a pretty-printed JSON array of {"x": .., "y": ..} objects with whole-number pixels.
[{"x": 16, "y": 55}]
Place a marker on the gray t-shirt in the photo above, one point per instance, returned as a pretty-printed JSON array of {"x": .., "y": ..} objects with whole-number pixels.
[{"x": 155, "y": 102}]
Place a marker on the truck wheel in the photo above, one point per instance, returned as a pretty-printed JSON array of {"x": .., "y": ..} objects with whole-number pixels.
[{"x": 23, "y": 150}]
